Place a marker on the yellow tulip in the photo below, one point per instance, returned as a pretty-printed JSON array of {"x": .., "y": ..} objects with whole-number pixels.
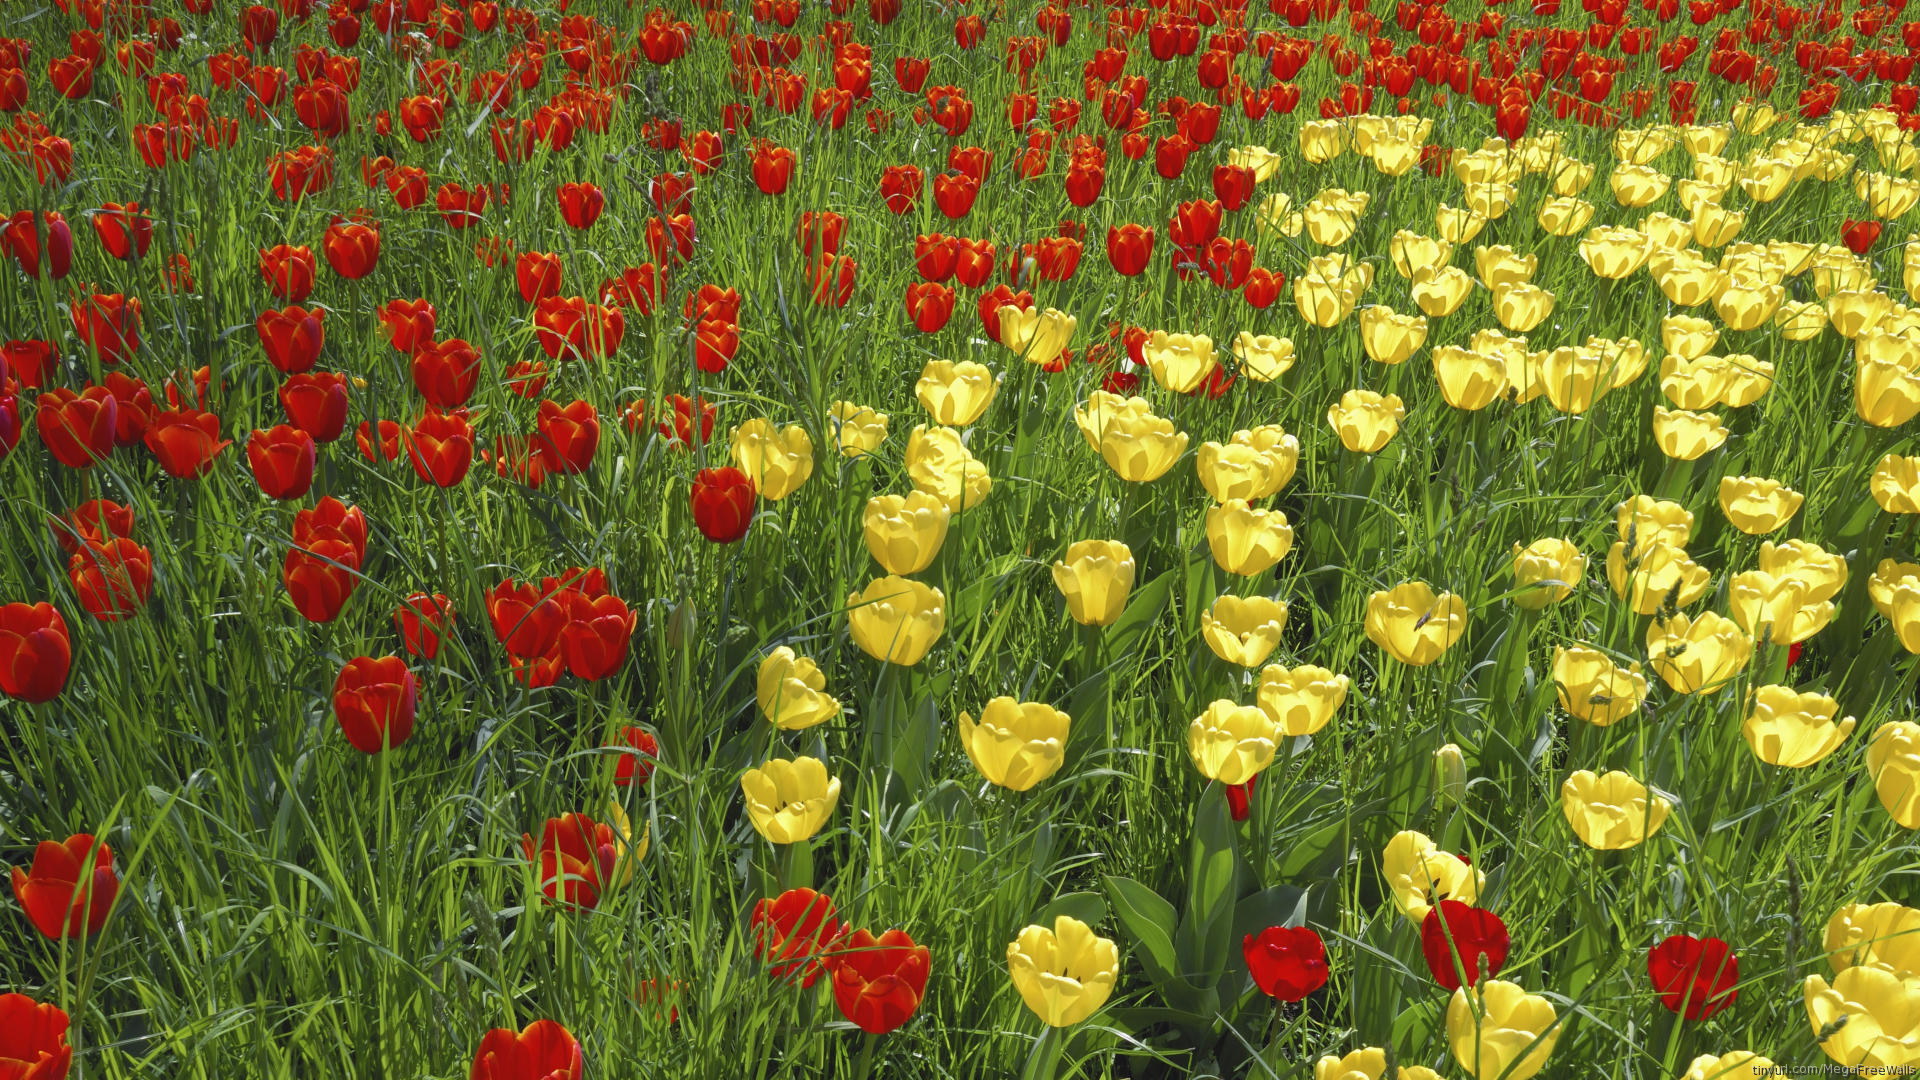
[
  {"x": 1546, "y": 571},
  {"x": 954, "y": 393},
  {"x": 1458, "y": 225},
  {"x": 1887, "y": 196},
  {"x": 896, "y": 619},
  {"x": 1281, "y": 449},
  {"x": 1800, "y": 321},
  {"x": 1592, "y": 688},
  {"x": 1737, "y": 1065},
  {"x": 792, "y": 692},
  {"x": 1614, "y": 252},
  {"x": 1331, "y": 215},
  {"x": 1657, "y": 576},
  {"x": 1180, "y": 362},
  {"x": 1039, "y": 336},
  {"x": 1469, "y": 380},
  {"x": 1705, "y": 140},
  {"x": 1886, "y": 393},
  {"x": 1791, "y": 729},
  {"x": 1621, "y": 360},
  {"x": 1893, "y": 760},
  {"x": 1765, "y": 179},
  {"x": 1491, "y": 201},
  {"x": 1886, "y": 581},
  {"x": 1522, "y": 307},
  {"x": 1667, "y": 232},
  {"x": 1276, "y": 214},
  {"x": 1688, "y": 337},
  {"x": 1565, "y": 216},
  {"x": 860, "y": 430},
  {"x": 1414, "y": 624},
  {"x": 1420, "y": 875},
  {"x": 1612, "y": 811},
  {"x": 1498, "y": 1031},
  {"x": 1887, "y": 934},
  {"x": 1640, "y": 146},
  {"x": 1822, "y": 572},
  {"x": 1301, "y": 700},
  {"x": 1262, "y": 358},
  {"x": 1245, "y": 540},
  {"x": 1754, "y": 117},
  {"x": 1409, "y": 251},
  {"x": 1367, "y": 1063},
  {"x": 1746, "y": 304},
  {"x": 1574, "y": 378},
  {"x": 629, "y": 852},
  {"x": 940, "y": 465},
  {"x": 1440, "y": 290},
  {"x": 1870, "y": 1015},
  {"x": 1500, "y": 266},
  {"x": 1322, "y": 302},
  {"x": 1095, "y": 577},
  {"x": 1389, "y": 337},
  {"x": 1685, "y": 280},
  {"x": 1687, "y": 435},
  {"x": 1322, "y": 140},
  {"x": 1141, "y": 447},
  {"x": 1637, "y": 185},
  {"x": 1853, "y": 312},
  {"x": 1715, "y": 225},
  {"x": 905, "y": 532},
  {"x": 1232, "y": 743},
  {"x": 1366, "y": 421},
  {"x": 1262, "y": 161},
  {"x": 1644, "y": 521},
  {"x": 1694, "y": 384},
  {"x": 777, "y": 461},
  {"x": 1895, "y": 484},
  {"x": 1015, "y": 744},
  {"x": 788, "y": 801},
  {"x": 1571, "y": 177},
  {"x": 1756, "y": 505},
  {"x": 1063, "y": 974},
  {"x": 1697, "y": 656},
  {"x": 1243, "y": 631}
]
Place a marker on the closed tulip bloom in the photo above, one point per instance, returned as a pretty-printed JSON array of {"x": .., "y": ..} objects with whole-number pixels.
[
  {"x": 1440, "y": 290},
  {"x": 185, "y": 442},
  {"x": 543, "y": 1050},
  {"x": 1015, "y": 744},
  {"x": 69, "y": 890},
  {"x": 1886, "y": 393},
  {"x": 1612, "y": 811},
  {"x": 1521, "y": 307},
  {"x": 1614, "y": 253},
  {"x": 1547, "y": 572},
  {"x": 1262, "y": 358},
  {"x": 1040, "y": 336},
  {"x": 858, "y": 429},
  {"x": 1232, "y": 743},
  {"x": 1592, "y": 688},
  {"x": 1746, "y": 304},
  {"x": 1857, "y": 313},
  {"x": 1180, "y": 362},
  {"x": 1687, "y": 435},
  {"x": 1756, "y": 505},
  {"x": 113, "y": 579},
  {"x": 1064, "y": 974},
  {"x": 1366, "y": 421},
  {"x": 1644, "y": 521},
  {"x": 1734, "y": 1065},
  {"x": 792, "y": 692},
  {"x": 1659, "y": 576},
  {"x": 1781, "y": 608},
  {"x": 1095, "y": 576},
  {"x": 905, "y": 532},
  {"x": 1687, "y": 336},
  {"x": 292, "y": 336},
  {"x": 1886, "y": 934},
  {"x": 1870, "y": 1015},
  {"x": 1367, "y": 1063},
  {"x": 1389, "y": 337},
  {"x": 878, "y": 982},
  {"x": 1500, "y": 266},
  {"x": 1893, "y": 760},
  {"x": 1508, "y": 1036},
  {"x": 282, "y": 459},
  {"x": 1243, "y": 630},
  {"x": 1247, "y": 541},
  {"x": 940, "y": 465},
  {"x": 77, "y": 429},
  {"x": 1791, "y": 729},
  {"x": 1895, "y": 483},
  {"x": 789, "y": 801},
  {"x": 1414, "y": 624},
  {"x": 1696, "y": 656},
  {"x": 897, "y": 620},
  {"x": 956, "y": 393},
  {"x": 1241, "y": 471},
  {"x": 1419, "y": 875},
  {"x": 1301, "y": 700},
  {"x": 1409, "y": 251},
  {"x": 33, "y": 1040},
  {"x": 374, "y": 700},
  {"x": 777, "y": 461},
  {"x": 1287, "y": 962},
  {"x": 1469, "y": 380}
]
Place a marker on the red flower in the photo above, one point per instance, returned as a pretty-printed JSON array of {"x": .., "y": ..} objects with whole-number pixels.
[
  {"x": 580, "y": 204},
  {"x": 78, "y": 429},
  {"x": 597, "y": 633},
  {"x": 110, "y": 323},
  {"x": 715, "y": 343},
  {"x": 832, "y": 278},
  {"x": 900, "y": 187},
  {"x": 822, "y": 231},
  {"x": 1233, "y": 185},
  {"x": 282, "y": 459},
  {"x": 112, "y": 578},
  {"x": 446, "y": 372},
  {"x": 934, "y": 256},
  {"x": 638, "y": 756},
  {"x": 537, "y": 273},
  {"x": 22, "y": 236},
  {"x": 879, "y": 982},
  {"x": 288, "y": 271},
  {"x": 322, "y": 568},
  {"x": 569, "y": 437},
  {"x": 569, "y": 327},
  {"x": 54, "y": 894},
  {"x": 421, "y": 620},
  {"x": 185, "y": 442},
  {"x": 440, "y": 447},
  {"x": 408, "y": 324},
  {"x": 1860, "y": 235},
  {"x": 723, "y": 501},
  {"x": 772, "y": 168},
  {"x": 1459, "y": 938},
  {"x": 574, "y": 859},
  {"x": 1695, "y": 977},
  {"x": 316, "y": 403},
  {"x": 125, "y": 231},
  {"x": 1286, "y": 963},
  {"x": 543, "y": 1051},
  {"x": 33, "y": 1040},
  {"x": 929, "y": 305},
  {"x": 996, "y": 298},
  {"x": 954, "y": 194},
  {"x": 1128, "y": 248},
  {"x": 637, "y": 287},
  {"x": 352, "y": 249},
  {"x": 32, "y": 361},
  {"x": 526, "y": 620},
  {"x": 677, "y": 430},
  {"x": 794, "y": 934},
  {"x": 1239, "y": 796},
  {"x": 36, "y": 652},
  {"x": 292, "y": 336},
  {"x": 374, "y": 700},
  {"x": 459, "y": 207}
]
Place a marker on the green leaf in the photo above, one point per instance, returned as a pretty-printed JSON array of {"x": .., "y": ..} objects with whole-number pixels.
[
  {"x": 1088, "y": 907},
  {"x": 1142, "y": 609},
  {"x": 1203, "y": 936},
  {"x": 1149, "y": 921}
]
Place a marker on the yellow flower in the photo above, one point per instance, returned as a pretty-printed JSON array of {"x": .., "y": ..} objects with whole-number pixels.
[
  {"x": 1887, "y": 196},
  {"x": 1458, "y": 226},
  {"x": 1301, "y": 700},
  {"x": 1592, "y": 688},
  {"x": 1095, "y": 577},
  {"x": 792, "y": 692},
  {"x": 1064, "y": 974},
  {"x": 1687, "y": 435},
  {"x": 1697, "y": 656},
  {"x": 1282, "y": 451},
  {"x": 1469, "y": 380},
  {"x": 1637, "y": 185},
  {"x": 1893, "y": 760},
  {"x": 1243, "y": 631},
  {"x": 1792, "y": 729},
  {"x": 1694, "y": 384},
  {"x": 1566, "y": 215},
  {"x": 1869, "y": 1014},
  {"x": 1323, "y": 301},
  {"x": 1855, "y": 312},
  {"x": 1015, "y": 744},
  {"x": 1613, "y": 811},
  {"x": 1895, "y": 484},
  {"x": 1575, "y": 377},
  {"x": 1658, "y": 576},
  {"x": 1547, "y": 572},
  {"x": 1522, "y": 307},
  {"x": 940, "y": 465},
  {"x": 1232, "y": 743},
  {"x": 896, "y": 619},
  {"x": 1715, "y": 225},
  {"x": 1261, "y": 160},
  {"x": 1686, "y": 279},
  {"x": 1141, "y": 447},
  {"x": 1366, "y": 421},
  {"x": 1440, "y": 290},
  {"x": 1500, "y": 266},
  {"x": 905, "y": 532},
  {"x": 1245, "y": 540},
  {"x": 1640, "y": 146},
  {"x": 1331, "y": 215},
  {"x": 1737, "y": 1065},
  {"x": 1420, "y": 875},
  {"x": 1765, "y": 179},
  {"x": 788, "y": 801},
  {"x": 1491, "y": 201},
  {"x": 1705, "y": 140},
  {"x": 1667, "y": 232},
  {"x": 1754, "y": 117},
  {"x": 1885, "y": 392},
  {"x": 1746, "y": 304},
  {"x": 1800, "y": 321},
  {"x": 1688, "y": 337},
  {"x": 1409, "y": 251},
  {"x": 1820, "y": 570},
  {"x": 1040, "y": 336},
  {"x": 1413, "y": 623},
  {"x": 1886, "y": 934},
  {"x": 1180, "y": 362},
  {"x": 1756, "y": 505},
  {"x": 1644, "y": 521},
  {"x": 1367, "y": 1063},
  {"x": 1256, "y": 464},
  {"x": 861, "y": 430},
  {"x": 777, "y": 461},
  {"x": 1614, "y": 252},
  {"x": 631, "y": 852},
  {"x": 954, "y": 393},
  {"x": 1778, "y": 607},
  {"x": 1322, "y": 140},
  {"x": 1498, "y": 1031},
  {"x": 1262, "y": 358},
  {"x": 1389, "y": 337}
]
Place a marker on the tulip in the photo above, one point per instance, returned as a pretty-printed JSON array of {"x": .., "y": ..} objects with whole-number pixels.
[
  {"x": 282, "y": 459},
  {"x": 1791, "y": 729},
  {"x": 1736, "y": 1065},
  {"x": 422, "y": 620},
  {"x": 1418, "y": 875},
  {"x": 1140, "y": 446},
  {"x": 292, "y": 336},
  {"x": 1893, "y": 761},
  {"x": 113, "y": 579},
  {"x": 374, "y": 700},
  {"x": 1287, "y": 963},
  {"x": 792, "y": 692},
  {"x": 1366, "y": 421},
  {"x": 1612, "y": 811},
  {"x": 1756, "y": 505},
  {"x": 1244, "y": 469},
  {"x": 1498, "y": 1031},
  {"x": 1389, "y": 337},
  {"x": 796, "y": 934},
  {"x": 1413, "y": 624},
  {"x": 408, "y": 324},
  {"x": 1869, "y": 1014},
  {"x": 543, "y": 1050},
  {"x": 788, "y": 801},
  {"x": 1697, "y": 656},
  {"x": 440, "y": 447},
  {"x": 897, "y": 620},
  {"x": 1546, "y": 572},
  {"x": 33, "y": 1040},
  {"x": 1128, "y": 248},
  {"x": 1232, "y": 743},
  {"x": 352, "y": 248},
  {"x": 940, "y": 465},
  {"x": 1064, "y": 974},
  {"x": 1243, "y": 631},
  {"x": 1591, "y": 688},
  {"x": 858, "y": 429},
  {"x": 316, "y": 403},
  {"x": 1687, "y": 435},
  {"x": 905, "y": 532},
  {"x": 1747, "y": 304},
  {"x": 1885, "y": 934},
  {"x": 1695, "y": 977},
  {"x": 1895, "y": 483},
  {"x": 77, "y": 429},
  {"x": 580, "y": 204},
  {"x": 36, "y": 652},
  {"x": 1247, "y": 541},
  {"x": 1095, "y": 577},
  {"x": 1039, "y": 336},
  {"x": 597, "y": 634},
  {"x": 956, "y": 393},
  {"x": 1644, "y": 521},
  {"x": 1367, "y": 1063},
  {"x": 1262, "y": 358},
  {"x": 1462, "y": 944},
  {"x": 185, "y": 442},
  {"x": 1015, "y": 744},
  {"x": 879, "y": 982},
  {"x": 1521, "y": 307},
  {"x": 777, "y": 461},
  {"x": 70, "y": 889},
  {"x": 1301, "y": 700},
  {"x": 1782, "y": 607},
  {"x": 1180, "y": 362}
]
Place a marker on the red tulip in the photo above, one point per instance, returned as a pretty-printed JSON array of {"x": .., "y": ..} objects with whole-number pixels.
[
  {"x": 352, "y": 249},
  {"x": 580, "y": 204},
  {"x": 1083, "y": 182},
  {"x": 715, "y": 343},
  {"x": 421, "y": 620},
  {"x": 10, "y": 426},
  {"x": 639, "y": 753},
  {"x": 1262, "y": 287},
  {"x": 1128, "y": 248},
  {"x": 1860, "y": 235},
  {"x": 710, "y": 301},
  {"x": 112, "y": 579},
  {"x": 36, "y": 652},
  {"x": 900, "y": 187},
  {"x": 637, "y": 287},
  {"x": 316, "y": 403},
  {"x": 596, "y": 635},
  {"x": 134, "y": 408},
  {"x": 1695, "y": 977},
  {"x": 934, "y": 256},
  {"x": 379, "y": 443},
  {"x": 446, "y": 372},
  {"x": 570, "y": 327},
  {"x": 408, "y": 324},
  {"x": 321, "y": 569},
  {"x": 537, "y": 273},
  {"x": 526, "y": 378},
  {"x": 879, "y": 982},
  {"x": 832, "y": 278},
  {"x": 292, "y": 336},
  {"x": 677, "y": 430},
  {"x": 1287, "y": 963},
  {"x": 543, "y": 1051},
  {"x": 993, "y": 300},
  {"x": 78, "y": 429},
  {"x": 93, "y": 522},
  {"x": 374, "y": 700},
  {"x": 440, "y": 447},
  {"x": 569, "y": 436},
  {"x": 929, "y": 305},
  {"x": 1459, "y": 939},
  {"x": 820, "y": 231},
  {"x": 1239, "y": 796},
  {"x": 69, "y": 891},
  {"x": 22, "y": 240},
  {"x": 125, "y": 231},
  {"x": 954, "y": 194},
  {"x": 109, "y": 323},
  {"x": 459, "y": 207},
  {"x": 575, "y": 858},
  {"x": 288, "y": 271},
  {"x": 33, "y": 362},
  {"x": 972, "y": 261},
  {"x": 1233, "y": 185},
  {"x": 772, "y": 168},
  {"x": 282, "y": 459},
  {"x": 526, "y": 620},
  {"x": 723, "y": 501},
  {"x": 795, "y": 933},
  {"x": 185, "y": 442},
  {"x": 33, "y": 1040}
]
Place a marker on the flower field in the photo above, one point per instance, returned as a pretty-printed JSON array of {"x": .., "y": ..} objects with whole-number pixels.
[{"x": 895, "y": 538}]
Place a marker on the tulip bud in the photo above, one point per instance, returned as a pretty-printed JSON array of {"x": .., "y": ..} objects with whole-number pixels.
[{"x": 1450, "y": 775}]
